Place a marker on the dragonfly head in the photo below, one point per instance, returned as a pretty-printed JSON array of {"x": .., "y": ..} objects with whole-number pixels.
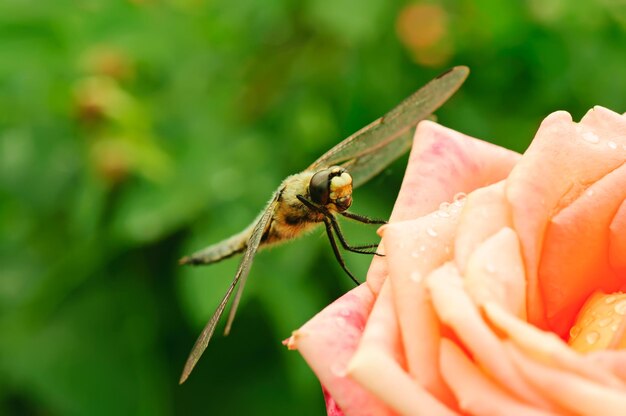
[{"x": 332, "y": 186}]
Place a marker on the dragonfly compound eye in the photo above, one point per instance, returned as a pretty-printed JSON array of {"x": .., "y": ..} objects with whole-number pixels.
[{"x": 332, "y": 186}]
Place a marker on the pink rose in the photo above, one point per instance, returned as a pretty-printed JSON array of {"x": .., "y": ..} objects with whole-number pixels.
[{"x": 500, "y": 291}]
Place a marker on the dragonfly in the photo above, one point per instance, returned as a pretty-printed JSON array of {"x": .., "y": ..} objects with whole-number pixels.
[{"x": 322, "y": 191}]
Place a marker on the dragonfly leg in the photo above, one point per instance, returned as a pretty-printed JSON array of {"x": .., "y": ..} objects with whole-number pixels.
[
  {"x": 333, "y": 243},
  {"x": 362, "y": 218},
  {"x": 355, "y": 249},
  {"x": 362, "y": 249}
]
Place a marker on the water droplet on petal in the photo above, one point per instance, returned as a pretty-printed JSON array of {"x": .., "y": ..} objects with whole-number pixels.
[
  {"x": 341, "y": 322},
  {"x": 444, "y": 206},
  {"x": 431, "y": 232},
  {"x": 591, "y": 137},
  {"x": 589, "y": 192},
  {"x": 416, "y": 276},
  {"x": 338, "y": 369},
  {"x": 443, "y": 214},
  {"x": 574, "y": 331},
  {"x": 592, "y": 337},
  {"x": 620, "y": 307},
  {"x": 610, "y": 299},
  {"x": 422, "y": 247},
  {"x": 614, "y": 327},
  {"x": 612, "y": 145},
  {"x": 447, "y": 249},
  {"x": 604, "y": 322},
  {"x": 459, "y": 198}
]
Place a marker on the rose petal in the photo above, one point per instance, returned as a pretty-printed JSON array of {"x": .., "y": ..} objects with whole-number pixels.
[
  {"x": 378, "y": 363},
  {"x": 600, "y": 324},
  {"x": 555, "y": 170},
  {"x": 442, "y": 163},
  {"x": 327, "y": 343},
  {"x": 495, "y": 272},
  {"x": 415, "y": 249},
  {"x": 547, "y": 348},
  {"x": 613, "y": 361},
  {"x": 617, "y": 244},
  {"x": 486, "y": 211},
  {"x": 476, "y": 393},
  {"x": 455, "y": 308},
  {"x": 570, "y": 391},
  {"x": 580, "y": 234}
]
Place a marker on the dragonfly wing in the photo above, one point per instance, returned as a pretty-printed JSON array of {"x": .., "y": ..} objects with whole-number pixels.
[
  {"x": 241, "y": 276},
  {"x": 391, "y": 127},
  {"x": 363, "y": 168}
]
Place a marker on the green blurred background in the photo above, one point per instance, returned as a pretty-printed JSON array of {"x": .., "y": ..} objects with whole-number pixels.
[{"x": 134, "y": 132}]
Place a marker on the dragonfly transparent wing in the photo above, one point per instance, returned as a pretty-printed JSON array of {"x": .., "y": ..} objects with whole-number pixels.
[
  {"x": 240, "y": 277},
  {"x": 387, "y": 136}
]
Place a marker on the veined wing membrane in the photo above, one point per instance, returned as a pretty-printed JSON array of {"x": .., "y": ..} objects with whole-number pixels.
[
  {"x": 382, "y": 135},
  {"x": 368, "y": 165},
  {"x": 240, "y": 276}
]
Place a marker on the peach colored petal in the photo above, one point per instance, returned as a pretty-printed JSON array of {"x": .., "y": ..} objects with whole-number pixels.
[
  {"x": 476, "y": 393},
  {"x": 455, "y": 308},
  {"x": 486, "y": 212},
  {"x": 415, "y": 249},
  {"x": 442, "y": 163},
  {"x": 580, "y": 234},
  {"x": 611, "y": 360},
  {"x": 578, "y": 395},
  {"x": 617, "y": 244},
  {"x": 495, "y": 272},
  {"x": 600, "y": 324},
  {"x": 327, "y": 343},
  {"x": 378, "y": 364},
  {"x": 547, "y": 348},
  {"x": 557, "y": 167}
]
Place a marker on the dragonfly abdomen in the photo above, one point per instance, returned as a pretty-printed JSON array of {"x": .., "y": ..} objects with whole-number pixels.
[{"x": 219, "y": 251}]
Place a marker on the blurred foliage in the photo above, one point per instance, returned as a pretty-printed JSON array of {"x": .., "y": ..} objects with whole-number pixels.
[{"x": 133, "y": 132}]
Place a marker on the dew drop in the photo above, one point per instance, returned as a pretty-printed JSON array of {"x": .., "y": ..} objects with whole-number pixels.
[
  {"x": 422, "y": 247},
  {"x": 620, "y": 307},
  {"x": 614, "y": 327},
  {"x": 610, "y": 299},
  {"x": 592, "y": 337},
  {"x": 415, "y": 276},
  {"x": 590, "y": 192},
  {"x": 444, "y": 206},
  {"x": 604, "y": 322},
  {"x": 341, "y": 322},
  {"x": 459, "y": 198},
  {"x": 338, "y": 369},
  {"x": 574, "y": 331},
  {"x": 447, "y": 249},
  {"x": 612, "y": 145},
  {"x": 443, "y": 214},
  {"x": 591, "y": 137},
  {"x": 431, "y": 232},
  {"x": 345, "y": 312}
]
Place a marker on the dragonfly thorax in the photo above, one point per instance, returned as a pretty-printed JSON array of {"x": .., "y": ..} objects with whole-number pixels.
[{"x": 332, "y": 186}]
